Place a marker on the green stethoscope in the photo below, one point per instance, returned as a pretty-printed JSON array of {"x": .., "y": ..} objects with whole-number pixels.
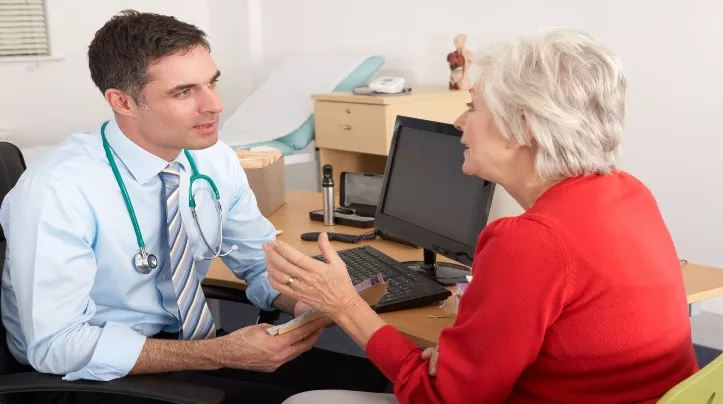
[{"x": 143, "y": 261}]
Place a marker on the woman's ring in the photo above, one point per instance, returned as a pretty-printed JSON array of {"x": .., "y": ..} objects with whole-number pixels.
[{"x": 290, "y": 281}]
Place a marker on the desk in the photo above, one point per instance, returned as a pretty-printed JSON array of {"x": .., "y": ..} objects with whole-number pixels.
[
  {"x": 293, "y": 219},
  {"x": 701, "y": 282}
]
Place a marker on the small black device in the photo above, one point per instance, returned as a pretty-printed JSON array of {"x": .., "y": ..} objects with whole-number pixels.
[
  {"x": 346, "y": 217},
  {"x": 406, "y": 289},
  {"x": 360, "y": 192},
  {"x": 428, "y": 201},
  {"x": 358, "y": 197}
]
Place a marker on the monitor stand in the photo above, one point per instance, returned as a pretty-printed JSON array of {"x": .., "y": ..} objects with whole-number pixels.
[{"x": 444, "y": 273}]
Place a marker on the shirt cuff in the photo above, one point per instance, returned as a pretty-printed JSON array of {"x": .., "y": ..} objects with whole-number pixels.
[
  {"x": 260, "y": 293},
  {"x": 115, "y": 354},
  {"x": 390, "y": 350}
]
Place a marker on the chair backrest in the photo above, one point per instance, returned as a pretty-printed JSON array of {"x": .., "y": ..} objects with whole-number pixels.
[
  {"x": 704, "y": 387},
  {"x": 12, "y": 166}
]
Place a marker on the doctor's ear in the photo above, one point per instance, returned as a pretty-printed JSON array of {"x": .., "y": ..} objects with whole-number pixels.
[{"x": 121, "y": 102}]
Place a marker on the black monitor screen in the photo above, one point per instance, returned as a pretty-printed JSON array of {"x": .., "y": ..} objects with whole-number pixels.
[
  {"x": 427, "y": 186},
  {"x": 426, "y": 195}
]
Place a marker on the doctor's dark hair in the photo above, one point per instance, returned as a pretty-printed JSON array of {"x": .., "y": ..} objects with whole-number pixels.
[{"x": 128, "y": 43}]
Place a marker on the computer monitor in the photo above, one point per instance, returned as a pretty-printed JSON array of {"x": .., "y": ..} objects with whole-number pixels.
[{"x": 428, "y": 201}]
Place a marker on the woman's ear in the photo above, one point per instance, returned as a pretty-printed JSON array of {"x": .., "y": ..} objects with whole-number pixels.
[
  {"x": 513, "y": 144},
  {"x": 530, "y": 141},
  {"x": 529, "y": 138}
]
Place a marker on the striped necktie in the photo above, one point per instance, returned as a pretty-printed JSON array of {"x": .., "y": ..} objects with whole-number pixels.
[{"x": 196, "y": 320}]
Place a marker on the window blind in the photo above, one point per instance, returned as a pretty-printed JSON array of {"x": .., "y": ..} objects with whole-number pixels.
[{"x": 23, "y": 30}]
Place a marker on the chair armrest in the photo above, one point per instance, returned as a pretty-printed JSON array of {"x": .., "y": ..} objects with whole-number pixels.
[
  {"x": 222, "y": 293},
  {"x": 238, "y": 296},
  {"x": 145, "y": 386}
]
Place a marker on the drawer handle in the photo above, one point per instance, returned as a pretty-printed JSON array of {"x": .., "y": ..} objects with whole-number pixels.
[
  {"x": 348, "y": 111},
  {"x": 347, "y": 127}
]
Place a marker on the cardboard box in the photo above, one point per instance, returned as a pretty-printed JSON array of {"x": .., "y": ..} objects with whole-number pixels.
[{"x": 269, "y": 186}]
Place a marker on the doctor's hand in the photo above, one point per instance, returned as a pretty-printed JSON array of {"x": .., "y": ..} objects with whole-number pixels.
[
  {"x": 325, "y": 286},
  {"x": 252, "y": 348}
]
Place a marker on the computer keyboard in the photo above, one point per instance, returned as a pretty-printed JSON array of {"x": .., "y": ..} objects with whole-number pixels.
[{"x": 405, "y": 288}]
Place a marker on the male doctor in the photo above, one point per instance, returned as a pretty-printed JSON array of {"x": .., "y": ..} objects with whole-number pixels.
[{"x": 103, "y": 267}]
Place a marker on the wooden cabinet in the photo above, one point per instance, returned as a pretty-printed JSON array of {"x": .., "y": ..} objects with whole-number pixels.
[
  {"x": 352, "y": 127},
  {"x": 354, "y": 132}
]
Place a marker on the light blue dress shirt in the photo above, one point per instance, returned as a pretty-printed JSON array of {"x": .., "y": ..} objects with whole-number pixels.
[{"x": 72, "y": 302}]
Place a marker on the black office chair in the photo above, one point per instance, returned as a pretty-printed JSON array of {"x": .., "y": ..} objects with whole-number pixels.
[
  {"x": 17, "y": 378},
  {"x": 238, "y": 296}
]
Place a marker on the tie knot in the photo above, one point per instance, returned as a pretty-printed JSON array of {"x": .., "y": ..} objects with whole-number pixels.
[
  {"x": 171, "y": 174},
  {"x": 173, "y": 168}
]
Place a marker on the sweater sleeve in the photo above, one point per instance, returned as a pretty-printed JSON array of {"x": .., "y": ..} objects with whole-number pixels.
[{"x": 521, "y": 275}]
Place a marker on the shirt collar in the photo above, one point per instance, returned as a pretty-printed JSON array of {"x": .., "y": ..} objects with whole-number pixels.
[{"x": 142, "y": 164}]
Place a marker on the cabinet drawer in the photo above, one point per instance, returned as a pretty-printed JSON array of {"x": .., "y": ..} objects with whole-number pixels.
[{"x": 353, "y": 127}]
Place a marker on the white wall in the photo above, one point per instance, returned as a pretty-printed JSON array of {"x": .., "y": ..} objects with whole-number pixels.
[
  {"x": 235, "y": 34},
  {"x": 42, "y": 103},
  {"x": 671, "y": 50}
]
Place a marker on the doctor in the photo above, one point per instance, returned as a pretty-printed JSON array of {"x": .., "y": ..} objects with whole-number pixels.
[{"x": 105, "y": 257}]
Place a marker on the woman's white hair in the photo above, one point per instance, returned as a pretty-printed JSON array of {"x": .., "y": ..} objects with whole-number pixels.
[{"x": 562, "y": 93}]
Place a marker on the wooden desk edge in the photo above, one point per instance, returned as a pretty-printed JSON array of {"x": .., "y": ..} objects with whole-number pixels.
[
  {"x": 702, "y": 282},
  {"x": 231, "y": 284},
  {"x": 705, "y": 295},
  {"x": 423, "y": 342}
]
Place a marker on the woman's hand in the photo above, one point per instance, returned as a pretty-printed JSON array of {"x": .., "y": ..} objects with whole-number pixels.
[
  {"x": 431, "y": 354},
  {"x": 301, "y": 308},
  {"x": 323, "y": 286}
]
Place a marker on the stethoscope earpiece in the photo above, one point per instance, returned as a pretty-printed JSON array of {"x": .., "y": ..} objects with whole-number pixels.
[{"x": 199, "y": 257}]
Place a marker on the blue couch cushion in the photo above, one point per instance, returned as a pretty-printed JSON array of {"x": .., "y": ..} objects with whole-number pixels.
[{"x": 299, "y": 138}]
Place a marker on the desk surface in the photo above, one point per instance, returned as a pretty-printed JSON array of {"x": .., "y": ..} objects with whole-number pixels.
[{"x": 701, "y": 282}]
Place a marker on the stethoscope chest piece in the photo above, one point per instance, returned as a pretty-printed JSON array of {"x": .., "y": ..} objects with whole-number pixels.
[{"x": 144, "y": 262}]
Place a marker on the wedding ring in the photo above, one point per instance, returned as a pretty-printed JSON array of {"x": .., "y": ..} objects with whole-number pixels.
[{"x": 290, "y": 281}]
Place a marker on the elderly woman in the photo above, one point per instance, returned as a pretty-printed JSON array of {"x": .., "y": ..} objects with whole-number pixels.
[{"x": 578, "y": 300}]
